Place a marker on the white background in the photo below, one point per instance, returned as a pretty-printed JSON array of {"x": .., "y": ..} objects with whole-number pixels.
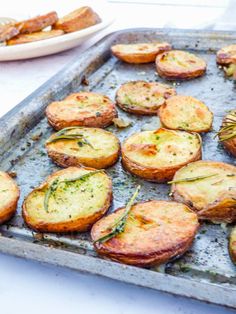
[{"x": 29, "y": 287}]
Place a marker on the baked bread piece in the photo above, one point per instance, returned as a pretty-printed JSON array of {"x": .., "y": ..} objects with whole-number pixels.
[
  {"x": 185, "y": 113},
  {"x": 77, "y": 146},
  {"x": 227, "y": 132},
  {"x": 226, "y": 55},
  {"x": 71, "y": 199},
  {"x": 9, "y": 195},
  {"x": 232, "y": 245},
  {"x": 28, "y": 38},
  {"x": 140, "y": 97},
  {"x": 37, "y": 23},
  {"x": 157, "y": 155},
  {"x": 79, "y": 19},
  {"x": 139, "y": 53},
  {"x": 155, "y": 231},
  {"x": 7, "y": 32},
  {"x": 211, "y": 192},
  {"x": 81, "y": 109},
  {"x": 177, "y": 64}
]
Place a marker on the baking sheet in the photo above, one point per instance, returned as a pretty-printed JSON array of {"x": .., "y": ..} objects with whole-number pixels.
[{"x": 205, "y": 272}]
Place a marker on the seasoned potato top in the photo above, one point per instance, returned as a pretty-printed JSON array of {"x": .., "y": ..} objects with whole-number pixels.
[
  {"x": 161, "y": 148},
  {"x": 8, "y": 189},
  {"x": 226, "y": 55},
  {"x": 70, "y": 198},
  {"x": 150, "y": 95},
  {"x": 94, "y": 142},
  {"x": 140, "y": 48},
  {"x": 186, "y": 113},
  {"x": 218, "y": 182},
  {"x": 151, "y": 227}
]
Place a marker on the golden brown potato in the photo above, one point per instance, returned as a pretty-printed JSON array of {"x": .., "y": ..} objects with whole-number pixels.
[
  {"x": 227, "y": 132},
  {"x": 155, "y": 232},
  {"x": 139, "y": 53},
  {"x": 81, "y": 109},
  {"x": 28, "y": 38},
  {"x": 157, "y": 155},
  {"x": 78, "y": 19},
  {"x": 226, "y": 55},
  {"x": 9, "y": 195},
  {"x": 185, "y": 113},
  {"x": 91, "y": 147},
  {"x": 209, "y": 188},
  {"x": 177, "y": 64},
  {"x": 37, "y": 23},
  {"x": 7, "y": 32},
  {"x": 232, "y": 245},
  {"x": 71, "y": 199},
  {"x": 142, "y": 97}
]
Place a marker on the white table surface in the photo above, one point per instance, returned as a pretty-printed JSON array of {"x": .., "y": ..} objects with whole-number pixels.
[{"x": 30, "y": 287}]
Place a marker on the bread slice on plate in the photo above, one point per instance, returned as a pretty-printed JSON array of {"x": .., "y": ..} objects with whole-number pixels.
[
  {"x": 69, "y": 200},
  {"x": 9, "y": 195},
  {"x": 157, "y": 155},
  {"x": 91, "y": 147}
]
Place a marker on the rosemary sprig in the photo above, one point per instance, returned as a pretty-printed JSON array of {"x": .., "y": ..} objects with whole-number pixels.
[
  {"x": 228, "y": 129},
  {"x": 54, "y": 185},
  {"x": 191, "y": 179},
  {"x": 119, "y": 225}
]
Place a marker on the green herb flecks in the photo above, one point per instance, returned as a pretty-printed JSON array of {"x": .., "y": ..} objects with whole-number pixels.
[
  {"x": 119, "y": 225},
  {"x": 55, "y": 184},
  {"x": 191, "y": 179},
  {"x": 228, "y": 129}
]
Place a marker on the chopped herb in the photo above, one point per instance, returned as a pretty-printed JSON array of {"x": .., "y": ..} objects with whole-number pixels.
[{"x": 191, "y": 179}]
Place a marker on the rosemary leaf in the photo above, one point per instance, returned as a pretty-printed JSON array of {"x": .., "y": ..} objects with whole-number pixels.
[
  {"x": 228, "y": 129},
  {"x": 191, "y": 179},
  {"x": 119, "y": 225}
]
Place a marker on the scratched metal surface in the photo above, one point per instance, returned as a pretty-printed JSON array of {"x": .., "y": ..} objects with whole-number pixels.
[{"x": 22, "y": 136}]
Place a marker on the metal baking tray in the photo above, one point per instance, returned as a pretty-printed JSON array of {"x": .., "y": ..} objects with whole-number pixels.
[{"x": 205, "y": 272}]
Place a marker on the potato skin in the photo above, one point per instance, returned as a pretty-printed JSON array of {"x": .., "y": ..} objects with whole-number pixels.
[
  {"x": 79, "y": 224},
  {"x": 226, "y": 55},
  {"x": 177, "y": 64},
  {"x": 98, "y": 113},
  {"x": 139, "y": 53},
  {"x": 232, "y": 245},
  {"x": 230, "y": 144},
  {"x": 185, "y": 113},
  {"x": 220, "y": 209},
  {"x": 108, "y": 157},
  {"x": 77, "y": 20},
  {"x": 157, "y": 173},
  {"x": 156, "y": 93},
  {"x": 165, "y": 233},
  {"x": 28, "y": 38},
  {"x": 8, "y": 208}
]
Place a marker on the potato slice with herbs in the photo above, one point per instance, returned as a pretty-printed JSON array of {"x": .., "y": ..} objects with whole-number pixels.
[
  {"x": 154, "y": 232},
  {"x": 209, "y": 188},
  {"x": 142, "y": 97},
  {"x": 81, "y": 109},
  {"x": 157, "y": 155},
  {"x": 185, "y": 113},
  {"x": 91, "y": 147},
  {"x": 69, "y": 200},
  {"x": 177, "y": 64},
  {"x": 232, "y": 245},
  {"x": 9, "y": 195},
  {"x": 227, "y": 132}
]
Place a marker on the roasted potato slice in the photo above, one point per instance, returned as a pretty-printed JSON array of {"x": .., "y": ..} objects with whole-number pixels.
[
  {"x": 78, "y": 19},
  {"x": 81, "y": 109},
  {"x": 28, "y": 38},
  {"x": 227, "y": 132},
  {"x": 185, "y": 113},
  {"x": 209, "y": 188},
  {"x": 226, "y": 55},
  {"x": 142, "y": 97},
  {"x": 177, "y": 64},
  {"x": 91, "y": 147},
  {"x": 7, "y": 32},
  {"x": 157, "y": 155},
  {"x": 71, "y": 199},
  {"x": 139, "y": 53},
  {"x": 9, "y": 195},
  {"x": 155, "y": 232},
  {"x": 232, "y": 245},
  {"x": 37, "y": 23}
]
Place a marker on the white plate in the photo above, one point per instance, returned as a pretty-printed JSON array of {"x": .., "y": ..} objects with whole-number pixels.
[{"x": 52, "y": 45}]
